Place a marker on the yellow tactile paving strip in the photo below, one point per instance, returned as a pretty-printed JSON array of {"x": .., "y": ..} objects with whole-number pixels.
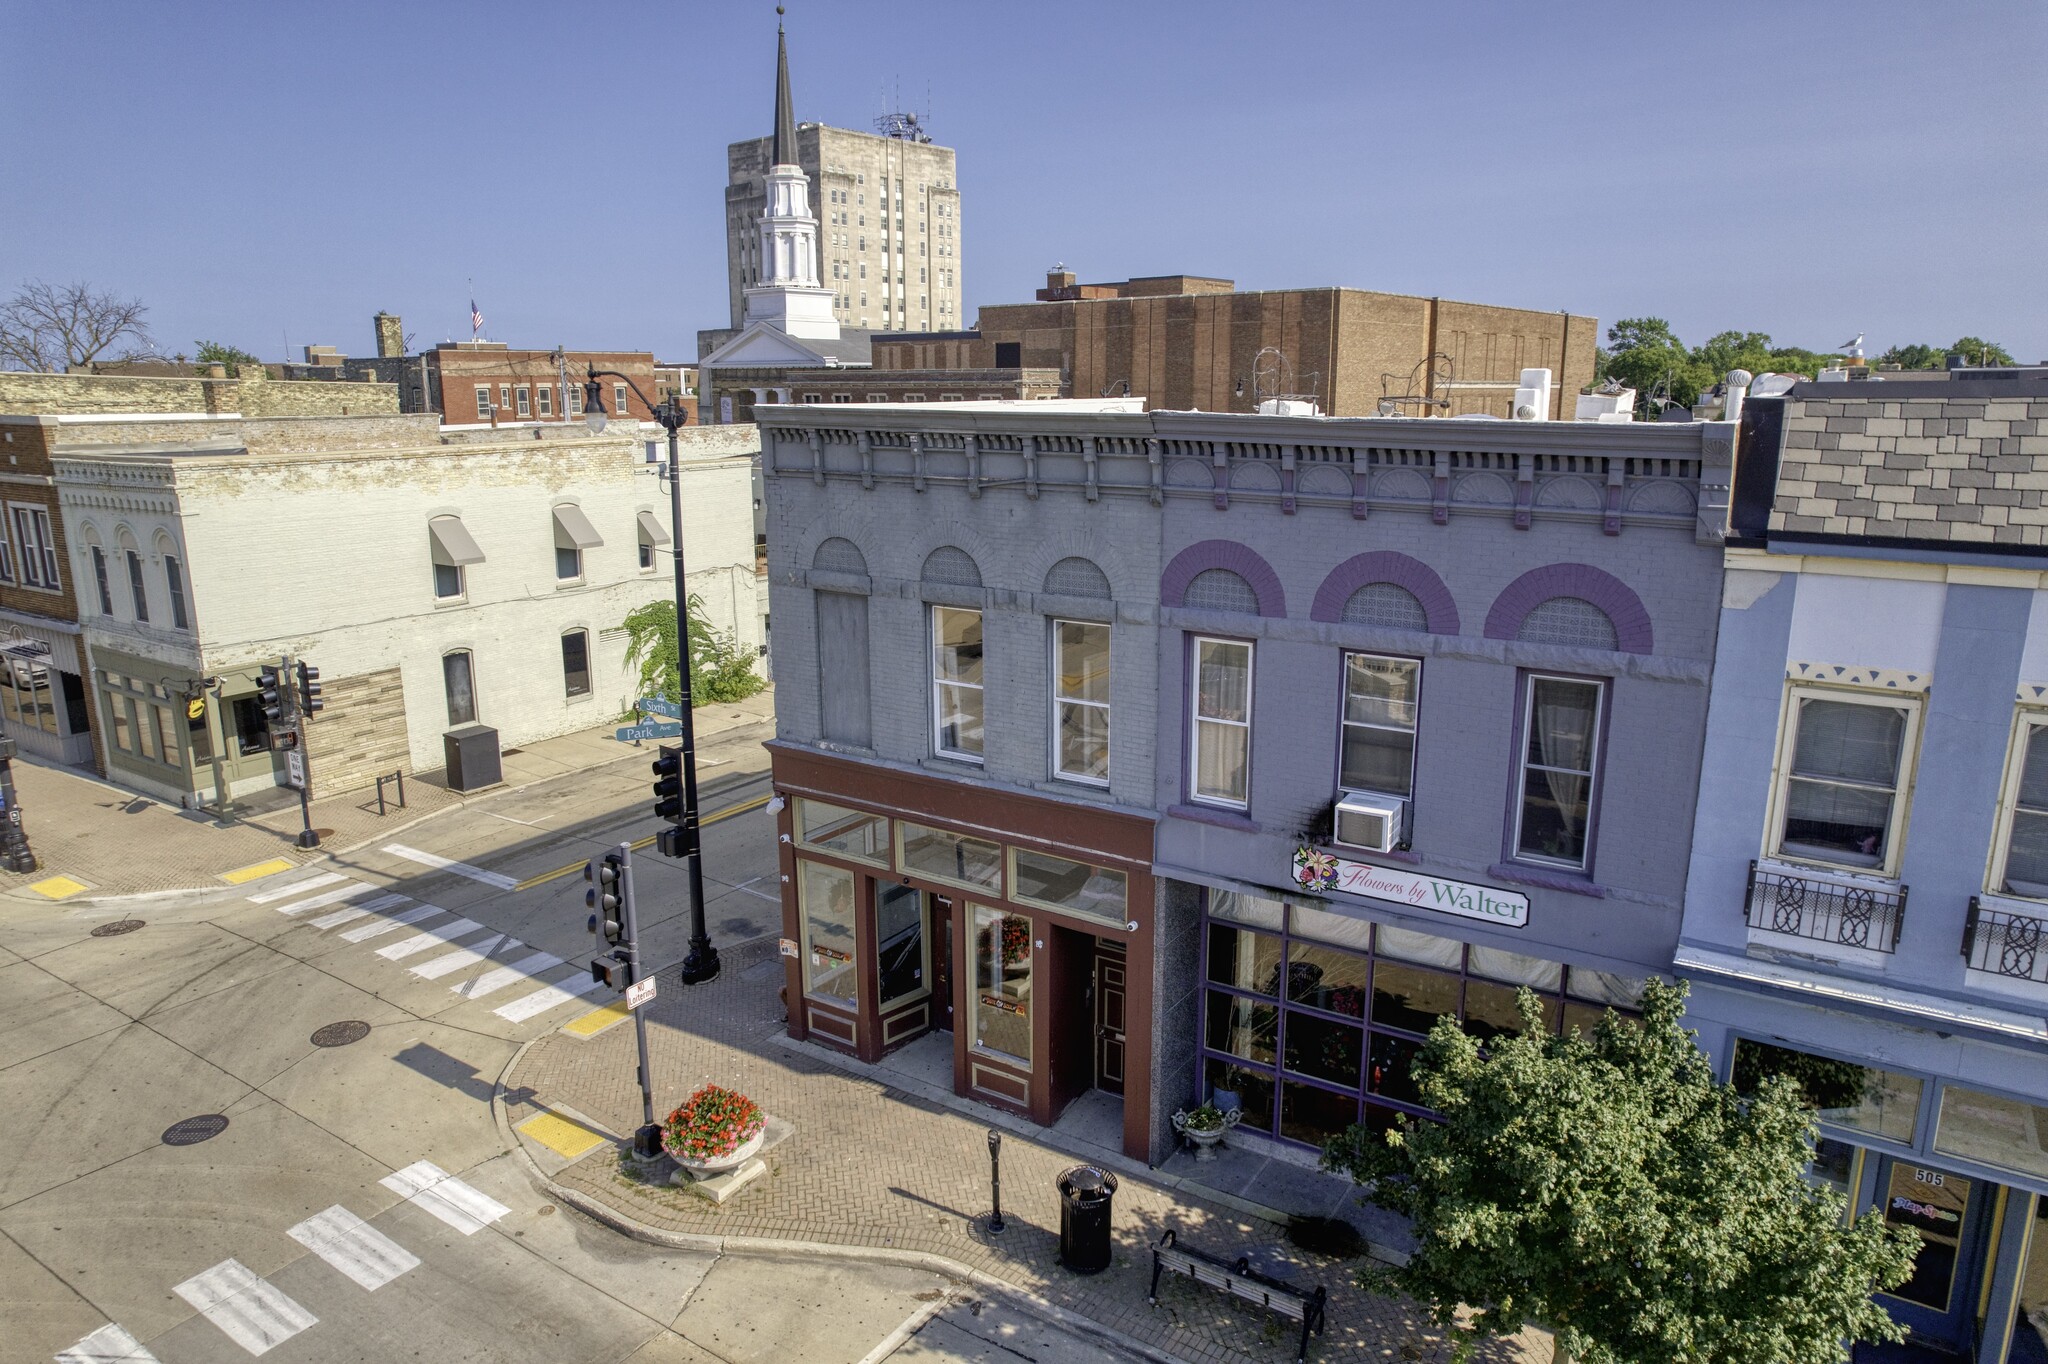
[
  {"x": 58, "y": 888},
  {"x": 597, "y": 1020},
  {"x": 257, "y": 871},
  {"x": 566, "y": 1139}
]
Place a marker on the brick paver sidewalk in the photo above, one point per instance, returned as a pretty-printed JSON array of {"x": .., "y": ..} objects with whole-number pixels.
[{"x": 873, "y": 1166}]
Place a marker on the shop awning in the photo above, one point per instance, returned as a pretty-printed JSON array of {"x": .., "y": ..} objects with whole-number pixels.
[
  {"x": 453, "y": 544},
  {"x": 651, "y": 529},
  {"x": 573, "y": 529}
]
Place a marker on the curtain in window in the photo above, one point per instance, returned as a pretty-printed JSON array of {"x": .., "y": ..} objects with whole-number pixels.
[
  {"x": 1845, "y": 768},
  {"x": 1554, "y": 808}
]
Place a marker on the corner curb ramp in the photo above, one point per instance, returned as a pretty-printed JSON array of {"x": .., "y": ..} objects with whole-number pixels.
[{"x": 1023, "y": 1299}]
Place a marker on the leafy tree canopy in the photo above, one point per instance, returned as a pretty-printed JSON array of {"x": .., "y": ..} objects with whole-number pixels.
[
  {"x": 1609, "y": 1188},
  {"x": 1643, "y": 353},
  {"x": 719, "y": 669},
  {"x": 1975, "y": 350},
  {"x": 217, "y": 353}
]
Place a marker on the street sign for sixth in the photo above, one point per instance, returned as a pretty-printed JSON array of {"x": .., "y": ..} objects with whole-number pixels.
[
  {"x": 647, "y": 729},
  {"x": 655, "y": 705}
]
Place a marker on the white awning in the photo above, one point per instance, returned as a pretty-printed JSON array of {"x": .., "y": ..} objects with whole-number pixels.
[
  {"x": 453, "y": 544},
  {"x": 651, "y": 529},
  {"x": 573, "y": 529}
]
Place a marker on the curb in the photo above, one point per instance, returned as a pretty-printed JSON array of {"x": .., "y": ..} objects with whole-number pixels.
[{"x": 1021, "y": 1298}]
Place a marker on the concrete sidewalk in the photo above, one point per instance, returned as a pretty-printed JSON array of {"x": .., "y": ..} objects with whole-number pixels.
[
  {"x": 96, "y": 841},
  {"x": 874, "y": 1167}
]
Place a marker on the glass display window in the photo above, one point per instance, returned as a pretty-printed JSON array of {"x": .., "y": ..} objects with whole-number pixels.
[
  {"x": 1002, "y": 983},
  {"x": 827, "y": 899}
]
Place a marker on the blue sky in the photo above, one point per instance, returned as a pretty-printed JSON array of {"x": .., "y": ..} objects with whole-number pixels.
[{"x": 270, "y": 173}]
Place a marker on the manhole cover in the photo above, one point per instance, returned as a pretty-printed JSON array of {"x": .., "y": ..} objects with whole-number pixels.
[
  {"x": 341, "y": 1034},
  {"x": 117, "y": 928},
  {"x": 192, "y": 1131}
]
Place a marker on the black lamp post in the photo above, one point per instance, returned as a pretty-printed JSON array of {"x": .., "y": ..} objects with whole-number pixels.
[{"x": 702, "y": 962}]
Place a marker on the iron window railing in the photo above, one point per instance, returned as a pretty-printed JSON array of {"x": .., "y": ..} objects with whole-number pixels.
[
  {"x": 2005, "y": 943},
  {"x": 1824, "y": 911}
]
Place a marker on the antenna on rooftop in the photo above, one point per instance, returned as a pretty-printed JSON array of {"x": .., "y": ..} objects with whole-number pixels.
[{"x": 902, "y": 124}]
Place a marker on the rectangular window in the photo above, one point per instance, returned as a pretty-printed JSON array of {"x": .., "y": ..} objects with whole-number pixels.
[
  {"x": 544, "y": 400},
  {"x": 576, "y": 663},
  {"x": 99, "y": 577},
  {"x": 1561, "y": 722},
  {"x": 829, "y": 967},
  {"x": 447, "y": 582},
  {"x": 525, "y": 400},
  {"x": 1841, "y": 796},
  {"x": 1882, "y": 1103},
  {"x": 949, "y": 857},
  {"x": 852, "y": 834},
  {"x": 137, "y": 592},
  {"x": 459, "y": 685},
  {"x": 504, "y": 397},
  {"x": 1002, "y": 983},
  {"x": 1380, "y": 699},
  {"x": 252, "y": 727},
  {"x": 483, "y": 402},
  {"x": 619, "y": 400},
  {"x": 7, "y": 558},
  {"x": 117, "y": 712},
  {"x": 38, "y": 547},
  {"x": 199, "y": 736},
  {"x": 1992, "y": 1129},
  {"x": 1222, "y": 739},
  {"x": 2023, "y": 868},
  {"x": 166, "y": 735},
  {"x": 146, "y": 731},
  {"x": 575, "y": 395},
  {"x": 568, "y": 562},
  {"x": 844, "y": 712},
  {"x": 175, "y": 577},
  {"x": 1080, "y": 701},
  {"x": 1052, "y": 882},
  {"x": 956, "y": 682}
]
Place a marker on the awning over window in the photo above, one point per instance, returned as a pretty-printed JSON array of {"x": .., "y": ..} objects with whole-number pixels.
[
  {"x": 573, "y": 529},
  {"x": 453, "y": 544},
  {"x": 651, "y": 529}
]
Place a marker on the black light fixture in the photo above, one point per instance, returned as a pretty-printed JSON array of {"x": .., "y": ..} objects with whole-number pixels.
[{"x": 593, "y": 405}]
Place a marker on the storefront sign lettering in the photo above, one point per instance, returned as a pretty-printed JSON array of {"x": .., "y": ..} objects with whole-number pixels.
[
  {"x": 1317, "y": 870},
  {"x": 821, "y": 955},
  {"x": 1004, "y": 1005}
]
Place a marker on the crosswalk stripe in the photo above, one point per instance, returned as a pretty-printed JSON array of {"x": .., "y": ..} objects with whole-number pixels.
[
  {"x": 405, "y": 920},
  {"x": 111, "y": 1344},
  {"x": 440, "y": 863},
  {"x": 351, "y": 913},
  {"x": 433, "y": 937},
  {"x": 296, "y": 888},
  {"x": 455, "y": 961},
  {"x": 248, "y": 1308},
  {"x": 355, "y": 890},
  {"x": 548, "y": 997},
  {"x": 525, "y": 968},
  {"x": 432, "y": 1189},
  {"x": 354, "y": 1247}
]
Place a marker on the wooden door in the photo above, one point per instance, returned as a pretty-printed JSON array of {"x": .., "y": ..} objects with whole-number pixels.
[{"x": 1109, "y": 1022}]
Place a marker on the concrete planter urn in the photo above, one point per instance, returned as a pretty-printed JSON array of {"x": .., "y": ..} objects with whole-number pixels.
[
  {"x": 715, "y": 1129},
  {"x": 1204, "y": 1127},
  {"x": 711, "y": 1165}
]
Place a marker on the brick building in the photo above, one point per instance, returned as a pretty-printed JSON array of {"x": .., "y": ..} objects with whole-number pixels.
[{"x": 1141, "y": 758}]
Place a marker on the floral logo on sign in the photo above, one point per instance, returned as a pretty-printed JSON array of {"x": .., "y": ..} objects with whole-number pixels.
[{"x": 1314, "y": 870}]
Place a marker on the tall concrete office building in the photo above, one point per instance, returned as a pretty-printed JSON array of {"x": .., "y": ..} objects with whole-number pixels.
[{"x": 888, "y": 210}]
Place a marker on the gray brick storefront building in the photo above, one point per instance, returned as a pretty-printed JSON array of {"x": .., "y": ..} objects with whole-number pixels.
[{"x": 1186, "y": 755}]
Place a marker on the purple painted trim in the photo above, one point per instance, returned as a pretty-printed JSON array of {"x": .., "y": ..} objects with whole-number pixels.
[
  {"x": 1239, "y": 559},
  {"x": 1546, "y": 880},
  {"x": 1609, "y": 593},
  {"x": 1209, "y": 814},
  {"x": 1387, "y": 566}
]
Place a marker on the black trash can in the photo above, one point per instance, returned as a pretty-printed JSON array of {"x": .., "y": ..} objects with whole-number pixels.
[{"x": 1085, "y": 1197}]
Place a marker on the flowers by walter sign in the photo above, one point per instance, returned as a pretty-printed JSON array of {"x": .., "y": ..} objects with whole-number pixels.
[{"x": 1317, "y": 870}]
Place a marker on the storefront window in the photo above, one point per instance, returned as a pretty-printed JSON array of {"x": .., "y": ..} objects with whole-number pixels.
[
  {"x": 1313, "y": 1115},
  {"x": 25, "y": 695},
  {"x": 1327, "y": 979},
  {"x": 1882, "y": 1103},
  {"x": 2030, "y": 1328},
  {"x": 1242, "y": 1027},
  {"x": 1412, "y": 998},
  {"x": 1002, "y": 983},
  {"x": 828, "y": 944},
  {"x": 1244, "y": 960},
  {"x": 1994, "y": 1130},
  {"x": 1255, "y": 910},
  {"x": 899, "y": 934},
  {"x": 949, "y": 857},
  {"x": 853, "y": 834},
  {"x": 1038, "y": 878},
  {"x": 1323, "y": 1050}
]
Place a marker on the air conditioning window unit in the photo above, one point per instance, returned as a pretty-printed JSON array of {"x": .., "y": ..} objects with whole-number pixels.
[{"x": 1373, "y": 823}]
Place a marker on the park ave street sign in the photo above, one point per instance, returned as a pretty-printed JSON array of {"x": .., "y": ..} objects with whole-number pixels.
[{"x": 647, "y": 729}]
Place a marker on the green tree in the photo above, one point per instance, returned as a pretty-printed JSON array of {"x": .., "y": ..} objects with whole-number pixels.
[
  {"x": 1644, "y": 354},
  {"x": 1609, "y": 1188},
  {"x": 1914, "y": 357},
  {"x": 1976, "y": 350},
  {"x": 719, "y": 669},
  {"x": 218, "y": 353}
]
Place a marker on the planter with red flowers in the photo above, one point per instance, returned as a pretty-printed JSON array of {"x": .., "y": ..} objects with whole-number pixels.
[{"x": 714, "y": 1130}]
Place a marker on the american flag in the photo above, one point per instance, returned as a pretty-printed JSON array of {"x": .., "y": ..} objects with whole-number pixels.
[{"x": 476, "y": 319}]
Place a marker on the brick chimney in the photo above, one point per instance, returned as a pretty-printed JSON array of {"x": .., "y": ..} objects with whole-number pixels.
[{"x": 390, "y": 335}]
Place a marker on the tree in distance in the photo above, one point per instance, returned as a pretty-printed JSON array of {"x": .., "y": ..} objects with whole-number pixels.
[
  {"x": 49, "y": 329},
  {"x": 1644, "y": 354},
  {"x": 719, "y": 669},
  {"x": 1975, "y": 350},
  {"x": 215, "y": 353},
  {"x": 1609, "y": 1188}
]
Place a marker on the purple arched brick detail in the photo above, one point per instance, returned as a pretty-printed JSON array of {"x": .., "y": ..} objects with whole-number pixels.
[
  {"x": 1386, "y": 566},
  {"x": 1173, "y": 584},
  {"x": 1603, "y": 589}
]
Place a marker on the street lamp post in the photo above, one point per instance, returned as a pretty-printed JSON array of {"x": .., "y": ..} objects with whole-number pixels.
[{"x": 701, "y": 964}]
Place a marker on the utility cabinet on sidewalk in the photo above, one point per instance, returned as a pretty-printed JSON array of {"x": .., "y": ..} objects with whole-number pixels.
[{"x": 473, "y": 761}]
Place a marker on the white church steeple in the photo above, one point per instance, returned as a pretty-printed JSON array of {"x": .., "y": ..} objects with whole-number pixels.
[{"x": 789, "y": 296}]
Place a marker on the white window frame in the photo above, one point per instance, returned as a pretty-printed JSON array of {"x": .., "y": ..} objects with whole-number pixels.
[
  {"x": 1913, "y": 704},
  {"x": 1061, "y": 703},
  {"x": 2025, "y": 722},
  {"x": 939, "y": 684},
  {"x": 7, "y": 554},
  {"x": 523, "y": 398},
  {"x": 34, "y": 537},
  {"x": 175, "y": 586},
  {"x": 544, "y": 400},
  {"x": 574, "y": 393},
  {"x": 1600, "y": 687},
  {"x": 1344, "y": 723},
  {"x": 483, "y": 402},
  {"x": 138, "y": 585},
  {"x": 619, "y": 401},
  {"x": 101, "y": 581},
  {"x": 1196, "y": 720}
]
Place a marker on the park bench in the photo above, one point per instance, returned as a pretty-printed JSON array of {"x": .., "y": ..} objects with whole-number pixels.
[{"x": 1239, "y": 1279}]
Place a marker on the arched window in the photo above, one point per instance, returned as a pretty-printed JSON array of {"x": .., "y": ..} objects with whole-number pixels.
[
  {"x": 1077, "y": 578},
  {"x": 839, "y": 555},
  {"x": 458, "y": 681},
  {"x": 1570, "y": 621},
  {"x": 1219, "y": 589},
  {"x": 1387, "y": 605},
  {"x": 174, "y": 582},
  {"x": 952, "y": 566},
  {"x": 576, "y": 662}
]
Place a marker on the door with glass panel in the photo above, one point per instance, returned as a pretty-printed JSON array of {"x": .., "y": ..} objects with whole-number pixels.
[
  {"x": 903, "y": 963},
  {"x": 1938, "y": 1304}
]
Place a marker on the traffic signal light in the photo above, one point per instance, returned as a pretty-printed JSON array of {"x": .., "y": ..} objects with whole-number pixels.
[
  {"x": 668, "y": 784},
  {"x": 607, "y": 896},
  {"x": 611, "y": 969},
  {"x": 669, "y": 842},
  {"x": 270, "y": 690},
  {"x": 309, "y": 689}
]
